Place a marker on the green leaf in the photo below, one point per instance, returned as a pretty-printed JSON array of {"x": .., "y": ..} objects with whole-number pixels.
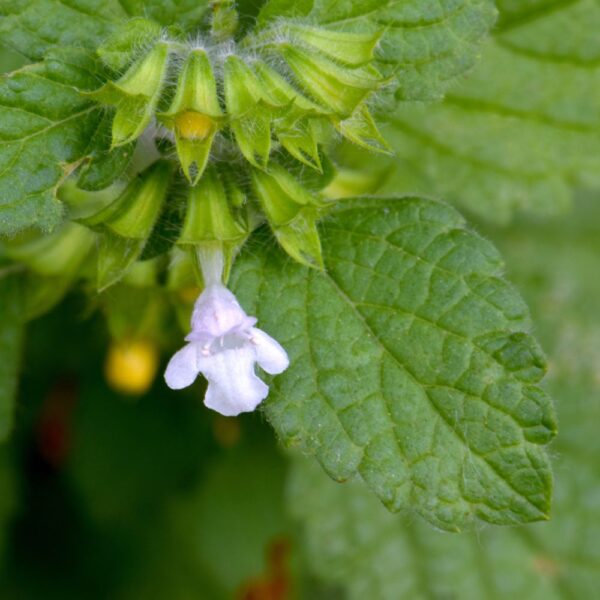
[
  {"x": 410, "y": 363},
  {"x": 105, "y": 165},
  {"x": 45, "y": 130},
  {"x": 276, "y": 9},
  {"x": 11, "y": 342},
  {"x": 186, "y": 14},
  {"x": 524, "y": 127},
  {"x": 32, "y": 27},
  {"x": 426, "y": 44},
  {"x": 351, "y": 540}
]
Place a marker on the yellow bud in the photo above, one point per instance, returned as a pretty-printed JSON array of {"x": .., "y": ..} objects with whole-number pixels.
[
  {"x": 193, "y": 125},
  {"x": 131, "y": 366}
]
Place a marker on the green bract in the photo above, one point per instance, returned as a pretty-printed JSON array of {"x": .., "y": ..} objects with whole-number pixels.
[
  {"x": 136, "y": 94},
  {"x": 126, "y": 223},
  {"x": 299, "y": 101},
  {"x": 213, "y": 218},
  {"x": 194, "y": 114}
]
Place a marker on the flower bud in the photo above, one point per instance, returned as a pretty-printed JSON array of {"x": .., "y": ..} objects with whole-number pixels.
[
  {"x": 338, "y": 88},
  {"x": 249, "y": 110},
  {"x": 182, "y": 273},
  {"x": 136, "y": 94},
  {"x": 131, "y": 366},
  {"x": 352, "y": 49},
  {"x": 195, "y": 114},
  {"x": 299, "y": 138},
  {"x": 209, "y": 217},
  {"x": 290, "y": 210}
]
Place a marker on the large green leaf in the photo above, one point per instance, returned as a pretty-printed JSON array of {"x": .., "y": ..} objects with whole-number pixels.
[
  {"x": 523, "y": 128},
  {"x": 34, "y": 26},
  {"x": 11, "y": 340},
  {"x": 426, "y": 44},
  {"x": 349, "y": 539},
  {"x": 46, "y": 128},
  {"x": 410, "y": 363}
]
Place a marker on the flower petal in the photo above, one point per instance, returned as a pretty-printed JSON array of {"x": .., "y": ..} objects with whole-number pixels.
[
  {"x": 233, "y": 387},
  {"x": 270, "y": 355},
  {"x": 183, "y": 369},
  {"x": 217, "y": 312}
]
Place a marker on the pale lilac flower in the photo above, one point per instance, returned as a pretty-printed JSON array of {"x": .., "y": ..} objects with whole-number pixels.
[{"x": 223, "y": 346}]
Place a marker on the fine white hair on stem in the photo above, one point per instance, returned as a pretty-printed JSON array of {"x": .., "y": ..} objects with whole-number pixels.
[{"x": 212, "y": 263}]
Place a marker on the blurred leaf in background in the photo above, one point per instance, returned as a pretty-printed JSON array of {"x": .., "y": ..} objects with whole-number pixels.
[{"x": 522, "y": 128}]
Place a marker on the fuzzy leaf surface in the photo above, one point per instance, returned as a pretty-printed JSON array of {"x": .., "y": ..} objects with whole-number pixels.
[
  {"x": 410, "y": 364},
  {"x": 523, "y": 129},
  {"x": 350, "y": 540},
  {"x": 32, "y": 27},
  {"x": 46, "y": 128}
]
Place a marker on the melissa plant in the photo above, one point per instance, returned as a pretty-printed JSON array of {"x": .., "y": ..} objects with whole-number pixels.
[{"x": 301, "y": 153}]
